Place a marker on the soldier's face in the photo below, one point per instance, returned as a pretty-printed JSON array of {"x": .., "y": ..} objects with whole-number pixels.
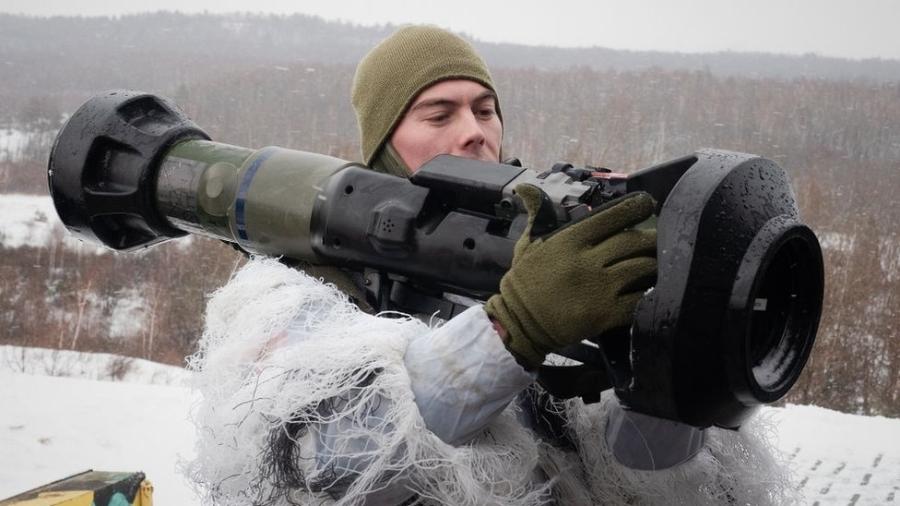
[{"x": 456, "y": 117}]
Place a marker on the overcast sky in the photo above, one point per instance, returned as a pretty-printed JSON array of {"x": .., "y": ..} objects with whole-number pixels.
[{"x": 852, "y": 29}]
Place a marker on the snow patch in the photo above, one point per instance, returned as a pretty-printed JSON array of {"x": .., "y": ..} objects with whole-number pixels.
[
  {"x": 26, "y": 221},
  {"x": 30, "y": 221},
  {"x": 17, "y": 145},
  {"x": 889, "y": 254},
  {"x": 836, "y": 241},
  {"x": 12, "y": 143},
  {"x": 128, "y": 313}
]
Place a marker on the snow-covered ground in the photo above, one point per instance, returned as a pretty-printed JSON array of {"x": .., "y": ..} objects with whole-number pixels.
[
  {"x": 94, "y": 366},
  {"x": 55, "y": 426},
  {"x": 52, "y": 427}
]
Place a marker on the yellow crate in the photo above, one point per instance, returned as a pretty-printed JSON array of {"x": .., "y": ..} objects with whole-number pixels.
[{"x": 90, "y": 488}]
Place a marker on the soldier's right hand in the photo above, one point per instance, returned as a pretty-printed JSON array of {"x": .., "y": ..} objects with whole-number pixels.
[{"x": 577, "y": 282}]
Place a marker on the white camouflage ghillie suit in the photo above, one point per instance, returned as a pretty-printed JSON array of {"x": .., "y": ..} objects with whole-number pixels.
[{"x": 309, "y": 400}]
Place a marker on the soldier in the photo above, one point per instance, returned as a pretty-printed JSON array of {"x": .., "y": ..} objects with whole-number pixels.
[{"x": 307, "y": 397}]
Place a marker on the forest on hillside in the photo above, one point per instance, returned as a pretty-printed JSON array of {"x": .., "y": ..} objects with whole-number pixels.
[
  {"x": 70, "y": 58},
  {"x": 838, "y": 138}
]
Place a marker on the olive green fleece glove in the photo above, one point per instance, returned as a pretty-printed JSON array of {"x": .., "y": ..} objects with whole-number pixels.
[{"x": 577, "y": 282}]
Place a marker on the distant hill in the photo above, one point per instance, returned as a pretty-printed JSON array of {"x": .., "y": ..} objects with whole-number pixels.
[{"x": 65, "y": 56}]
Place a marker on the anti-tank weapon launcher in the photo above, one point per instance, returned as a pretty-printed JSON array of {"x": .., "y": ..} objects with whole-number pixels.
[{"x": 728, "y": 326}]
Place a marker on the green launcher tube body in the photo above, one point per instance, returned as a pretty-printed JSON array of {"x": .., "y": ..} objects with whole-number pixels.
[{"x": 261, "y": 199}]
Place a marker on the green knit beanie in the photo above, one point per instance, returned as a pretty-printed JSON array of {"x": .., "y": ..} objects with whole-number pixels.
[{"x": 394, "y": 72}]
